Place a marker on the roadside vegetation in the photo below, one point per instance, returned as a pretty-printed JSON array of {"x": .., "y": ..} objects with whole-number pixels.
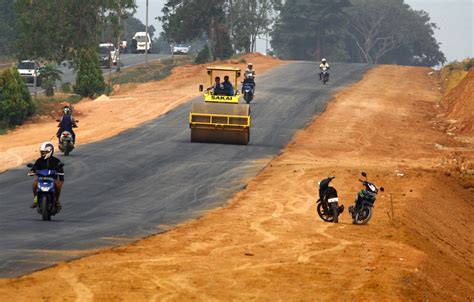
[
  {"x": 155, "y": 71},
  {"x": 453, "y": 73},
  {"x": 15, "y": 100}
]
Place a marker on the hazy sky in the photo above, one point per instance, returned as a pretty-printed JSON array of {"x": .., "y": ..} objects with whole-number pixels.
[{"x": 453, "y": 17}]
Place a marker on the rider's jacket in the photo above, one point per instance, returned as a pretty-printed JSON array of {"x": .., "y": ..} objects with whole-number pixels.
[
  {"x": 49, "y": 164},
  {"x": 321, "y": 66},
  {"x": 67, "y": 123},
  {"x": 249, "y": 74}
]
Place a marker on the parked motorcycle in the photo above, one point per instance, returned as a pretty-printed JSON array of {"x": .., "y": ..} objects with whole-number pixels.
[
  {"x": 362, "y": 211},
  {"x": 46, "y": 192},
  {"x": 328, "y": 203},
  {"x": 248, "y": 90},
  {"x": 325, "y": 75}
]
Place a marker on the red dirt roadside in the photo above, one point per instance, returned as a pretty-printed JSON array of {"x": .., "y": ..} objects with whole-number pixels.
[{"x": 268, "y": 244}]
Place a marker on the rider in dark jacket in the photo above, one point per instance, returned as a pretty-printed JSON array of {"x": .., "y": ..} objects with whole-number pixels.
[
  {"x": 67, "y": 123},
  {"x": 48, "y": 162}
]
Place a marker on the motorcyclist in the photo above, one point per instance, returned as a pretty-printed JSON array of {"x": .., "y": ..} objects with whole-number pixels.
[
  {"x": 48, "y": 162},
  {"x": 249, "y": 75},
  {"x": 324, "y": 64},
  {"x": 67, "y": 123}
]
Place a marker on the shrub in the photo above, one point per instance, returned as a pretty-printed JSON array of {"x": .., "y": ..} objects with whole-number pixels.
[
  {"x": 49, "y": 75},
  {"x": 66, "y": 87},
  {"x": 89, "y": 79},
  {"x": 15, "y": 99},
  {"x": 203, "y": 56}
]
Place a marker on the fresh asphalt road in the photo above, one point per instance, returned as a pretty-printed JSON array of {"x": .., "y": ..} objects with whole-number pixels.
[
  {"x": 145, "y": 179},
  {"x": 127, "y": 60}
]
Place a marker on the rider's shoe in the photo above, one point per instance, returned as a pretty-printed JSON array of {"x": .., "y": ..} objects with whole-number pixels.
[
  {"x": 58, "y": 206},
  {"x": 35, "y": 202}
]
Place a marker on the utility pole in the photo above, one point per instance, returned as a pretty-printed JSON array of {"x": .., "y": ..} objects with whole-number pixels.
[{"x": 147, "y": 41}]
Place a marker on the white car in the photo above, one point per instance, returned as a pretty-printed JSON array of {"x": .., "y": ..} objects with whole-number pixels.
[
  {"x": 141, "y": 42},
  {"x": 114, "y": 53},
  {"x": 27, "y": 72},
  {"x": 181, "y": 49}
]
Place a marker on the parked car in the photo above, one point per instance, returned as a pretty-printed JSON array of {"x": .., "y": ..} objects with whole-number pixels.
[{"x": 26, "y": 69}]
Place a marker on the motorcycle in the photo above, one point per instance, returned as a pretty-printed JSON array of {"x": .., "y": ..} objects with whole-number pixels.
[
  {"x": 66, "y": 141},
  {"x": 361, "y": 213},
  {"x": 328, "y": 203},
  {"x": 325, "y": 75},
  {"x": 66, "y": 144},
  {"x": 46, "y": 192},
  {"x": 248, "y": 91}
]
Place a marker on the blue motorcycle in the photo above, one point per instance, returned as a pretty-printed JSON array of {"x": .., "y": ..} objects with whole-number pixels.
[
  {"x": 46, "y": 192},
  {"x": 361, "y": 212},
  {"x": 248, "y": 89}
]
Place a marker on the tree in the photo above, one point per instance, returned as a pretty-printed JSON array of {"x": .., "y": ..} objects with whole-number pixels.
[
  {"x": 8, "y": 33},
  {"x": 306, "y": 29},
  {"x": 49, "y": 75},
  {"x": 15, "y": 100},
  {"x": 59, "y": 29},
  {"x": 249, "y": 19},
  {"x": 89, "y": 79},
  {"x": 389, "y": 31},
  {"x": 187, "y": 20}
]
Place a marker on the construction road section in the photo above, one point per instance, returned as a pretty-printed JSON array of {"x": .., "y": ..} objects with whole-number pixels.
[{"x": 148, "y": 178}]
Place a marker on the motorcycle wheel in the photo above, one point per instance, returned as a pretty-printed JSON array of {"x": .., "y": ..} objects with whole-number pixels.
[
  {"x": 324, "y": 216},
  {"x": 247, "y": 98},
  {"x": 363, "y": 216},
  {"x": 44, "y": 208},
  {"x": 66, "y": 151}
]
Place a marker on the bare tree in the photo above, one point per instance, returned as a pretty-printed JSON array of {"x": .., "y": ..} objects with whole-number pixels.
[{"x": 371, "y": 27}]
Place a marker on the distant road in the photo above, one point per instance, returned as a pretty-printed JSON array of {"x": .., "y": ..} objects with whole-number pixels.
[{"x": 127, "y": 60}]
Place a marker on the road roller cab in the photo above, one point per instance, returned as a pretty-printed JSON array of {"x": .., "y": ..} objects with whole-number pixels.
[{"x": 221, "y": 119}]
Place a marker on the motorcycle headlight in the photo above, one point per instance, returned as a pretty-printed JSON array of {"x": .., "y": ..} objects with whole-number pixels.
[{"x": 45, "y": 189}]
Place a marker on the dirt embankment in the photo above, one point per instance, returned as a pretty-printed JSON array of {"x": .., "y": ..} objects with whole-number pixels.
[
  {"x": 459, "y": 106},
  {"x": 268, "y": 243},
  {"x": 130, "y": 106}
]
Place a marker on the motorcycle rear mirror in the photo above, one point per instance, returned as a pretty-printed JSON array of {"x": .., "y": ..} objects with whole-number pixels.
[
  {"x": 60, "y": 165},
  {"x": 58, "y": 121},
  {"x": 201, "y": 88},
  {"x": 382, "y": 189},
  {"x": 363, "y": 174},
  {"x": 30, "y": 165}
]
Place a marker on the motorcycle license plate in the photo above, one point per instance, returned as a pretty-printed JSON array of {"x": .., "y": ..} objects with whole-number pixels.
[{"x": 335, "y": 199}]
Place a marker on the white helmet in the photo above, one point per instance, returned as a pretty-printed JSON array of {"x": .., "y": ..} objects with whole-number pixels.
[
  {"x": 46, "y": 150},
  {"x": 250, "y": 65},
  {"x": 324, "y": 60}
]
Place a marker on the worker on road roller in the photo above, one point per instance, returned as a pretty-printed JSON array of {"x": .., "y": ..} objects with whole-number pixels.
[{"x": 221, "y": 119}]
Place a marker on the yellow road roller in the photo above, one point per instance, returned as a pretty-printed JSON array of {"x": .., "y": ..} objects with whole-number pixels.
[{"x": 221, "y": 119}]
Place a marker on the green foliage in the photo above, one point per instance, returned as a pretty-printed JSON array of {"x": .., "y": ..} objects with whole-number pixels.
[
  {"x": 370, "y": 31},
  {"x": 89, "y": 79},
  {"x": 248, "y": 19},
  {"x": 49, "y": 75},
  {"x": 8, "y": 32},
  {"x": 15, "y": 100},
  {"x": 311, "y": 29},
  {"x": 203, "y": 56},
  {"x": 66, "y": 87},
  {"x": 59, "y": 29}
]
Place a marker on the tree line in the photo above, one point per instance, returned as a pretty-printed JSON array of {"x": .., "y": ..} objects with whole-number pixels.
[{"x": 368, "y": 31}]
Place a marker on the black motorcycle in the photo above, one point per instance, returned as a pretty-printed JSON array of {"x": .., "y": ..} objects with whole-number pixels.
[
  {"x": 325, "y": 75},
  {"x": 364, "y": 203},
  {"x": 328, "y": 203}
]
